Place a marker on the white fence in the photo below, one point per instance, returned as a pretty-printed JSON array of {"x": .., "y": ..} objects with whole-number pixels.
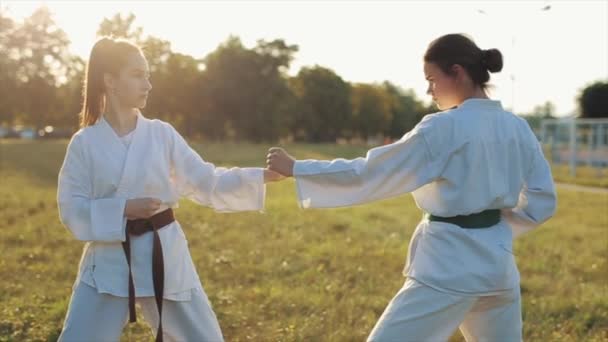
[{"x": 576, "y": 142}]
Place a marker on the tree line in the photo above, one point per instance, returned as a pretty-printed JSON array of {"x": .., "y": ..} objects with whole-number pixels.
[{"x": 233, "y": 93}]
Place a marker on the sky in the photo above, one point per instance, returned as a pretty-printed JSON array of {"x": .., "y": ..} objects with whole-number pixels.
[{"x": 549, "y": 55}]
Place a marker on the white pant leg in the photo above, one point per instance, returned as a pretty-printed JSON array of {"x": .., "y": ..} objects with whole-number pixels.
[
  {"x": 192, "y": 320},
  {"x": 494, "y": 319},
  {"x": 420, "y": 313},
  {"x": 94, "y": 316}
]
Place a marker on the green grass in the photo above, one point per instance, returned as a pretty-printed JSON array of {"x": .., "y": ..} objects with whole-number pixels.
[
  {"x": 585, "y": 175},
  {"x": 290, "y": 274}
]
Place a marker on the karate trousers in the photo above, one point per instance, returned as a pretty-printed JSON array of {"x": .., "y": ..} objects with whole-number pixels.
[
  {"x": 420, "y": 313},
  {"x": 94, "y": 316}
]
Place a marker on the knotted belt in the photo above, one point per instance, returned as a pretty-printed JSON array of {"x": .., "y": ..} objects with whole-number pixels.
[
  {"x": 139, "y": 227},
  {"x": 484, "y": 219}
]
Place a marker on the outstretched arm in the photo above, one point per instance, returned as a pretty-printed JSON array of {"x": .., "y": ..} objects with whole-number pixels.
[
  {"x": 223, "y": 189},
  {"x": 385, "y": 172}
]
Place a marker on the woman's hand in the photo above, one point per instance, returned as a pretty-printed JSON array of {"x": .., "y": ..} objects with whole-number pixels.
[
  {"x": 141, "y": 208},
  {"x": 280, "y": 161}
]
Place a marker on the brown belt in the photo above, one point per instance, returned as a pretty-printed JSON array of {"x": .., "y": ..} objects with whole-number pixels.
[{"x": 139, "y": 227}]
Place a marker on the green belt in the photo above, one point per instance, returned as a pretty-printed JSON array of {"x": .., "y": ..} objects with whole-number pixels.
[{"x": 484, "y": 219}]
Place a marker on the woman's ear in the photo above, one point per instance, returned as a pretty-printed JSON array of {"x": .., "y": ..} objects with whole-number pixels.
[{"x": 458, "y": 71}]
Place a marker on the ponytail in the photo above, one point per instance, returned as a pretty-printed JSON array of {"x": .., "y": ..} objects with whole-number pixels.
[{"x": 107, "y": 56}]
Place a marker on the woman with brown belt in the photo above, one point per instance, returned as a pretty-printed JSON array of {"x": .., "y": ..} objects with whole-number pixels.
[{"x": 122, "y": 176}]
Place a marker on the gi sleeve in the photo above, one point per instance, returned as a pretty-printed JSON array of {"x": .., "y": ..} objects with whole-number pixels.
[
  {"x": 223, "y": 189},
  {"x": 537, "y": 200},
  {"x": 88, "y": 219},
  {"x": 385, "y": 172}
]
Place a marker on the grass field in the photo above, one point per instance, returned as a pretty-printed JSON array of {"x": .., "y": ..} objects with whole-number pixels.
[
  {"x": 289, "y": 274},
  {"x": 585, "y": 175}
]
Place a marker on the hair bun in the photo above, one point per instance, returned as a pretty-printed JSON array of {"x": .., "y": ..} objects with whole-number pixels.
[{"x": 492, "y": 60}]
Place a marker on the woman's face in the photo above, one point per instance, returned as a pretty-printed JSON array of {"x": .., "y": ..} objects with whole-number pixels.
[
  {"x": 442, "y": 87},
  {"x": 132, "y": 86}
]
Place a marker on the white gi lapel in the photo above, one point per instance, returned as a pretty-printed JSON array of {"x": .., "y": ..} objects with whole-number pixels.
[
  {"x": 109, "y": 137},
  {"x": 136, "y": 154},
  {"x": 110, "y": 156}
]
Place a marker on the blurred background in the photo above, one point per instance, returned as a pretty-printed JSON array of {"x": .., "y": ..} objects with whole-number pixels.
[{"x": 324, "y": 79}]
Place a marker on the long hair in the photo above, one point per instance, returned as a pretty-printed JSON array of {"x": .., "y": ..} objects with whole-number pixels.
[{"x": 108, "y": 55}]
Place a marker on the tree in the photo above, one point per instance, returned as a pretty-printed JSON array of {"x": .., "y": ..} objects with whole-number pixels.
[
  {"x": 243, "y": 92},
  {"x": 323, "y": 104},
  {"x": 593, "y": 100},
  {"x": 174, "y": 85},
  {"x": 371, "y": 106},
  {"x": 8, "y": 78},
  {"x": 70, "y": 95},
  {"x": 546, "y": 110},
  {"x": 121, "y": 27},
  {"x": 540, "y": 112},
  {"x": 406, "y": 110},
  {"x": 36, "y": 53}
]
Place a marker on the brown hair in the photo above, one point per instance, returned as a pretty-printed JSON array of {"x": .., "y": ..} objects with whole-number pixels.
[
  {"x": 108, "y": 55},
  {"x": 451, "y": 49}
]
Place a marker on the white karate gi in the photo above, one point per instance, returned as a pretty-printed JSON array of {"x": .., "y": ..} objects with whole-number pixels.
[
  {"x": 99, "y": 174},
  {"x": 465, "y": 160}
]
